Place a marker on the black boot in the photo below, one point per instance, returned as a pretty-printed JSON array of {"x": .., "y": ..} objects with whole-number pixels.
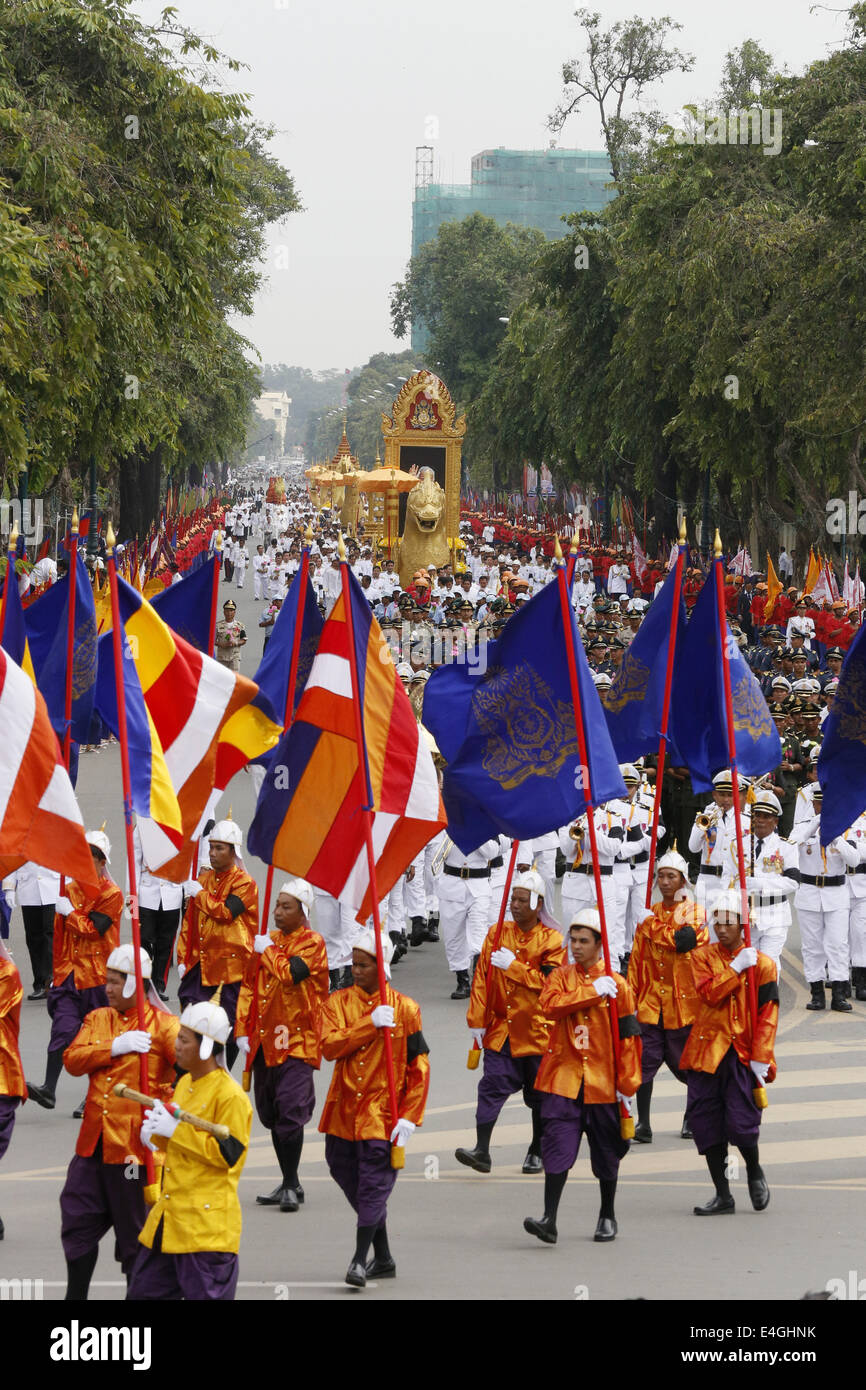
[
  {"x": 479, "y": 1157},
  {"x": 432, "y": 933},
  {"x": 838, "y": 1002},
  {"x": 723, "y": 1202},
  {"x": 817, "y": 1001},
  {"x": 532, "y": 1162},
  {"x": 356, "y": 1275},
  {"x": 859, "y": 973},
  {"x": 758, "y": 1188},
  {"x": 273, "y": 1199},
  {"x": 642, "y": 1132},
  {"x": 685, "y": 1132},
  {"x": 79, "y": 1273},
  {"x": 399, "y": 948},
  {"x": 382, "y": 1265},
  {"x": 607, "y": 1227},
  {"x": 545, "y": 1229},
  {"x": 462, "y": 991},
  {"x": 419, "y": 931}
]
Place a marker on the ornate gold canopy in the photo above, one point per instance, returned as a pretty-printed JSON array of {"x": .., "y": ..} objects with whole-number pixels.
[{"x": 422, "y": 431}]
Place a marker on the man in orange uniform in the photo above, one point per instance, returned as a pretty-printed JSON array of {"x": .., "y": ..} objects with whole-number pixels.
[
  {"x": 724, "y": 1060},
  {"x": 13, "y": 1087},
  {"x": 508, "y": 1021},
  {"x": 659, "y": 974},
  {"x": 219, "y": 925},
  {"x": 100, "y": 1190},
  {"x": 578, "y": 1080},
  {"x": 357, "y": 1117},
  {"x": 279, "y": 1020},
  {"x": 86, "y": 930}
]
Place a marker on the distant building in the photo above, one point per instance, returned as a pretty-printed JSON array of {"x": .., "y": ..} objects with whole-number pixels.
[
  {"x": 532, "y": 188},
  {"x": 276, "y": 406}
]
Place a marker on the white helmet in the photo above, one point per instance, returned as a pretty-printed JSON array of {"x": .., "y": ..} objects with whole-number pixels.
[
  {"x": 300, "y": 889},
  {"x": 100, "y": 841},
  {"x": 210, "y": 1021},
  {"x": 227, "y": 832},
  {"x": 532, "y": 881},
  {"x": 122, "y": 959},
  {"x": 673, "y": 860},
  {"x": 729, "y": 901}
]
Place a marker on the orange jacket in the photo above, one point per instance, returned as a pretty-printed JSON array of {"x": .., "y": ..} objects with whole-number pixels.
[
  {"x": 357, "y": 1106},
  {"x": 581, "y": 1047},
  {"x": 217, "y": 933},
  {"x": 12, "y": 1081},
  {"x": 512, "y": 1011},
  {"x": 79, "y": 944},
  {"x": 289, "y": 988},
  {"x": 117, "y": 1121},
  {"x": 659, "y": 970},
  {"x": 723, "y": 1016}
]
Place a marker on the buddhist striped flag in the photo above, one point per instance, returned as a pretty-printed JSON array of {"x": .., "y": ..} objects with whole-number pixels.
[
  {"x": 40, "y": 816},
  {"x": 308, "y": 819}
]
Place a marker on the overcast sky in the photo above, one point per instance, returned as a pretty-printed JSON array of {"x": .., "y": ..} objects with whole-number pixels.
[{"x": 352, "y": 87}]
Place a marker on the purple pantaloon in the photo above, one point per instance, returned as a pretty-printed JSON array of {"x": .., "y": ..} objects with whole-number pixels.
[
  {"x": 362, "y": 1168},
  {"x": 566, "y": 1121},
  {"x": 192, "y": 991},
  {"x": 205, "y": 1276},
  {"x": 97, "y": 1196},
  {"x": 503, "y": 1076},
  {"x": 659, "y": 1045},
  {"x": 68, "y": 1007},
  {"x": 720, "y": 1107},
  {"x": 7, "y": 1120},
  {"x": 285, "y": 1096}
]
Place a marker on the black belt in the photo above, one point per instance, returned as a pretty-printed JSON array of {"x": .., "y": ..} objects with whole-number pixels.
[
  {"x": 644, "y": 858},
  {"x": 860, "y": 869},
  {"x": 466, "y": 873},
  {"x": 824, "y": 880},
  {"x": 770, "y": 902},
  {"x": 714, "y": 869},
  {"x": 589, "y": 869},
  {"x": 497, "y": 863}
]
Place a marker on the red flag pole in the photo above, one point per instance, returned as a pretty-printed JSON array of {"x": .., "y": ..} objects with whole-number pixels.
[
  {"x": 759, "y": 1093},
  {"x": 10, "y": 571},
  {"x": 117, "y": 635},
  {"x": 288, "y": 716},
  {"x": 626, "y": 1123},
  {"x": 70, "y": 642},
  {"x": 475, "y": 1050},
  {"x": 666, "y": 707},
  {"x": 214, "y": 598},
  {"x": 397, "y": 1153}
]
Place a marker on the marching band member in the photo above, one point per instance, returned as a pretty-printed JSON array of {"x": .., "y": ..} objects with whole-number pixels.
[{"x": 823, "y": 907}]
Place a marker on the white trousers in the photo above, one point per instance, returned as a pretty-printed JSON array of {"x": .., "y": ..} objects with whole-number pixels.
[
  {"x": 824, "y": 942},
  {"x": 578, "y": 890},
  {"x": 464, "y": 921}
]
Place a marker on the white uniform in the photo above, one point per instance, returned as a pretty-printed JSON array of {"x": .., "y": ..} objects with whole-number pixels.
[
  {"x": 242, "y": 560},
  {"x": 578, "y": 886},
  {"x": 823, "y": 900},
  {"x": 772, "y": 882},
  {"x": 261, "y": 567},
  {"x": 717, "y": 846},
  {"x": 464, "y": 902},
  {"x": 857, "y": 895}
]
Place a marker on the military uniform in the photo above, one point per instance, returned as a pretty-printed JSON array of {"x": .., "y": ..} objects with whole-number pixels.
[{"x": 229, "y": 635}]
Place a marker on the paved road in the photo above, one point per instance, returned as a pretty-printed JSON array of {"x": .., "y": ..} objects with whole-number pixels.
[{"x": 457, "y": 1234}]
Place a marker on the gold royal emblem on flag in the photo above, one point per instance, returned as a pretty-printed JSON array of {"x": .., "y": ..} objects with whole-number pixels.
[
  {"x": 539, "y": 729},
  {"x": 630, "y": 685}
]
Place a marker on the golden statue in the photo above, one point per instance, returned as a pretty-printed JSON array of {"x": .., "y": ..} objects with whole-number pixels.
[{"x": 424, "y": 540}]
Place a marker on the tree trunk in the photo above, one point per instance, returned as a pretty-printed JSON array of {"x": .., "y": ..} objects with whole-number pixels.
[{"x": 138, "y": 480}]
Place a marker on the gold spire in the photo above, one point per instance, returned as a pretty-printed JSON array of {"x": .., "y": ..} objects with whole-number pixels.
[
  {"x": 75, "y": 521},
  {"x": 717, "y": 544},
  {"x": 557, "y": 551},
  {"x": 215, "y": 998},
  {"x": 572, "y": 549},
  {"x": 110, "y": 538},
  {"x": 683, "y": 530},
  {"x": 341, "y": 549},
  {"x": 13, "y": 538},
  {"x": 308, "y": 534}
]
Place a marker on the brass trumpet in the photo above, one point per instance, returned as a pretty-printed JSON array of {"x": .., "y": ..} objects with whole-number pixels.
[
  {"x": 706, "y": 819},
  {"x": 577, "y": 830}
]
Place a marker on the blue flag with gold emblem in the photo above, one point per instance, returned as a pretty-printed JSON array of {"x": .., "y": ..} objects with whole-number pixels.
[
  {"x": 46, "y": 621},
  {"x": 698, "y": 716},
  {"x": 842, "y": 760},
  {"x": 504, "y": 720},
  {"x": 633, "y": 705}
]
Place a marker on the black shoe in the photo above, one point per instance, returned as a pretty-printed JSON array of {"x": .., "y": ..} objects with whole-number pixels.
[
  {"x": 545, "y": 1229},
  {"x": 419, "y": 932},
  {"x": 532, "y": 1163},
  {"x": 356, "y": 1275},
  {"x": 606, "y": 1229},
  {"x": 719, "y": 1206},
  {"x": 2, "y": 1228},
  {"x": 78, "y": 1112},
  {"x": 759, "y": 1192},
  {"x": 432, "y": 932},
  {"x": 37, "y": 994},
  {"x": 817, "y": 1001},
  {"x": 685, "y": 1132},
  {"x": 643, "y": 1134},
  {"x": 272, "y": 1199},
  {"x": 399, "y": 948},
  {"x": 41, "y": 1096},
  {"x": 462, "y": 991},
  {"x": 299, "y": 1193},
  {"x": 474, "y": 1158},
  {"x": 163, "y": 993},
  {"x": 382, "y": 1269},
  {"x": 838, "y": 1003},
  {"x": 859, "y": 974},
  {"x": 289, "y": 1200}
]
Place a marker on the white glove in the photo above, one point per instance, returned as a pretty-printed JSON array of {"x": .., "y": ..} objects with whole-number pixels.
[
  {"x": 743, "y": 959},
  {"x": 760, "y": 1069},
  {"x": 261, "y": 944},
  {"x": 243, "y": 1045},
  {"x": 502, "y": 958},
  {"x": 628, "y": 1101},
  {"x": 478, "y": 1035},
  {"x": 192, "y": 887},
  {"x": 403, "y": 1130},
  {"x": 136, "y": 1040},
  {"x": 11, "y": 899},
  {"x": 383, "y": 1016},
  {"x": 63, "y": 907},
  {"x": 157, "y": 1121},
  {"x": 605, "y": 985},
  {"x": 181, "y": 971}
]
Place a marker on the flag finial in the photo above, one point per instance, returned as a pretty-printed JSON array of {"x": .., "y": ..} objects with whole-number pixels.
[
  {"x": 13, "y": 538},
  {"x": 683, "y": 530},
  {"x": 308, "y": 534},
  {"x": 110, "y": 538},
  {"x": 717, "y": 544},
  {"x": 218, "y": 540},
  {"x": 341, "y": 549},
  {"x": 75, "y": 521},
  {"x": 557, "y": 551},
  {"x": 572, "y": 549}
]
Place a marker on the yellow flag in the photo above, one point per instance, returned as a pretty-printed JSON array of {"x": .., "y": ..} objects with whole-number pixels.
[
  {"x": 774, "y": 588},
  {"x": 813, "y": 573}
]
